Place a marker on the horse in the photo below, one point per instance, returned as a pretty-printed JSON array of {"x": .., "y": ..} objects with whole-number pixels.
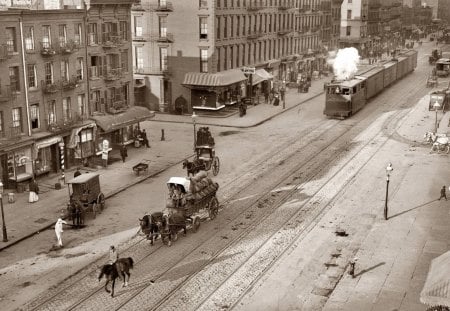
[
  {"x": 121, "y": 268},
  {"x": 193, "y": 167},
  {"x": 172, "y": 224},
  {"x": 431, "y": 137},
  {"x": 151, "y": 225}
]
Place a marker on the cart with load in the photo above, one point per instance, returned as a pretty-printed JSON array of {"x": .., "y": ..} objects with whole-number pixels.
[
  {"x": 85, "y": 196},
  {"x": 190, "y": 201}
]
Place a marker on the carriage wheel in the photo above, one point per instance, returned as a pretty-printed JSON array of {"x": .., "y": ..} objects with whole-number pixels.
[
  {"x": 213, "y": 208},
  {"x": 196, "y": 224},
  {"x": 215, "y": 166},
  {"x": 447, "y": 148}
]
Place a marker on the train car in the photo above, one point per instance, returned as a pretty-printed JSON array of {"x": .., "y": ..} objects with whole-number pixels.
[
  {"x": 344, "y": 98},
  {"x": 375, "y": 81}
]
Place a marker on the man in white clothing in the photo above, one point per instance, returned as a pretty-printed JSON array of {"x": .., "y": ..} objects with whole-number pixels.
[{"x": 59, "y": 230}]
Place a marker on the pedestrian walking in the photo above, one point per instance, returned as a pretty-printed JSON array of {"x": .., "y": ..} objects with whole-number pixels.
[
  {"x": 443, "y": 194},
  {"x": 77, "y": 172},
  {"x": 113, "y": 255},
  {"x": 34, "y": 191},
  {"x": 144, "y": 138},
  {"x": 123, "y": 152},
  {"x": 59, "y": 231}
]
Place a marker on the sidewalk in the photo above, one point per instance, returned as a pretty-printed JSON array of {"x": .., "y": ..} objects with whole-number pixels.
[{"x": 25, "y": 219}]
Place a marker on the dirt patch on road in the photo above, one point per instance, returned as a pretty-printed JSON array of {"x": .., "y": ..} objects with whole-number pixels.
[{"x": 228, "y": 133}]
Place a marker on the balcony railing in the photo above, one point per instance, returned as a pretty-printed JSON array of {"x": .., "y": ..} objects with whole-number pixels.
[
  {"x": 254, "y": 35},
  {"x": 283, "y": 32},
  {"x": 47, "y": 49},
  {"x": 110, "y": 40},
  {"x": 254, "y": 7},
  {"x": 116, "y": 105},
  {"x": 150, "y": 71},
  {"x": 139, "y": 37},
  {"x": 113, "y": 74},
  {"x": 68, "y": 47},
  {"x": 168, "y": 37},
  {"x": 70, "y": 84},
  {"x": 49, "y": 88}
]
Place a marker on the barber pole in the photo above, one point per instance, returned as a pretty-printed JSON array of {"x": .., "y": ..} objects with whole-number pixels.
[{"x": 61, "y": 148}]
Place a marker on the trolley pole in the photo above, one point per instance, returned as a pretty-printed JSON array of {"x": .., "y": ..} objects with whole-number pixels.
[{"x": 5, "y": 235}]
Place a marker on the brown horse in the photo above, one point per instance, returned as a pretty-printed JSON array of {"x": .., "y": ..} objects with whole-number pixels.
[
  {"x": 121, "y": 268},
  {"x": 151, "y": 225},
  {"x": 172, "y": 224}
]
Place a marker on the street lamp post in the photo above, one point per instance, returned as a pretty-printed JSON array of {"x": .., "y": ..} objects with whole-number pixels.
[
  {"x": 5, "y": 235},
  {"x": 436, "y": 106},
  {"x": 194, "y": 116},
  {"x": 389, "y": 170}
]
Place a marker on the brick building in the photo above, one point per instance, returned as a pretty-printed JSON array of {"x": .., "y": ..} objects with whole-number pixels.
[
  {"x": 63, "y": 87},
  {"x": 190, "y": 53}
]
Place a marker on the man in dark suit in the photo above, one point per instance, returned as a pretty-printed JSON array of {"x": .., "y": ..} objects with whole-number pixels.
[{"x": 144, "y": 137}]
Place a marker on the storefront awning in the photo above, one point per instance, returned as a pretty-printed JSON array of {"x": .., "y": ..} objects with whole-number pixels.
[
  {"x": 222, "y": 78},
  {"x": 112, "y": 122},
  {"x": 48, "y": 142},
  {"x": 261, "y": 75},
  {"x": 436, "y": 290},
  {"x": 73, "y": 136}
]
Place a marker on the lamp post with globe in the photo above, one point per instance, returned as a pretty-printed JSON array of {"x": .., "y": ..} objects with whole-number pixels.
[{"x": 389, "y": 170}]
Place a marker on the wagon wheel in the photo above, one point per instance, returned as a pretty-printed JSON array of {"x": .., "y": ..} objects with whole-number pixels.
[
  {"x": 447, "y": 148},
  {"x": 196, "y": 224},
  {"x": 213, "y": 208},
  {"x": 215, "y": 166},
  {"x": 101, "y": 201}
]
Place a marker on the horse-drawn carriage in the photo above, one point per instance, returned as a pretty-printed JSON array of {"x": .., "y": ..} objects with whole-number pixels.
[
  {"x": 190, "y": 200},
  {"x": 435, "y": 55},
  {"x": 85, "y": 196},
  {"x": 205, "y": 158}
]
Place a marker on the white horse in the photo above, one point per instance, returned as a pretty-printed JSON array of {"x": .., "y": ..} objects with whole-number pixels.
[{"x": 440, "y": 142}]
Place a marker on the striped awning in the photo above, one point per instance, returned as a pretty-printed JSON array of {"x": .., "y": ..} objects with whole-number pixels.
[
  {"x": 222, "y": 78},
  {"x": 436, "y": 290}
]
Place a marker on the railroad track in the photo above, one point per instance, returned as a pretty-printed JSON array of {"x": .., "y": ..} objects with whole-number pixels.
[{"x": 165, "y": 295}]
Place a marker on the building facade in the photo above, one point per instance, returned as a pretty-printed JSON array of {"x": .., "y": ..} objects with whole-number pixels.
[
  {"x": 443, "y": 11},
  {"x": 61, "y": 84},
  {"x": 354, "y": 21},
  {"x": 189, "y": 54}
]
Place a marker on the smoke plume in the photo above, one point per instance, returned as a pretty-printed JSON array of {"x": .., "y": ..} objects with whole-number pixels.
[{"x": 345, "y": 63}]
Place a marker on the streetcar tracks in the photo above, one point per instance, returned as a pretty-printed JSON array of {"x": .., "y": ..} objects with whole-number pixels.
[{"x": 170, "y": 279}]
